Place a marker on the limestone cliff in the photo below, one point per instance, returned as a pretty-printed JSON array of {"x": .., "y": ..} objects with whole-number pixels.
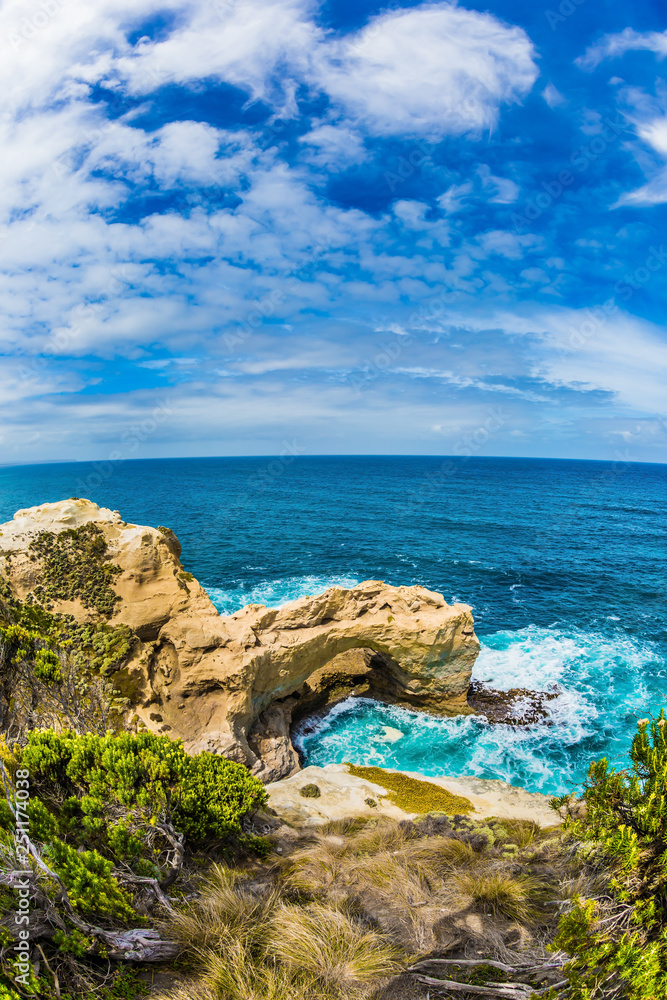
[{"x": 230, "y": 684}]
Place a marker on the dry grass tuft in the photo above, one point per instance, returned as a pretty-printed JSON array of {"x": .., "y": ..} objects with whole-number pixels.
[
  {"x": 224, "y": 912},
  {"x": 443, "y": 855},
  {"x": 314, "y": 870},
  {"x": 522, "y": 832},
  {"x": 379, "y": 835},
  {"x": 501, "y": 894},
  {"x": 330, "y": 946},
  {"x": 238, "y": 975}
]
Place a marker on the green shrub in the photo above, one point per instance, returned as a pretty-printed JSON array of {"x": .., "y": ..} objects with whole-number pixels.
[
  {"x": 618, "y": 942},
  {"x": 47, "y": 666},
  {"x": 115, "y": 788},
  {"x": 113, "y": 815}
]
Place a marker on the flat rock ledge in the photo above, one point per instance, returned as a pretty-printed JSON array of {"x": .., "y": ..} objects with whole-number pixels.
[
  {"x": 233, "y": 684},
  {"x": 343, "y": 795}
]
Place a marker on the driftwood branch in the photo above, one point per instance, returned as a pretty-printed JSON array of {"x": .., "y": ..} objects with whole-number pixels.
[
  {"x": 510, "y": 991},
  {"x": 476, "y": 962}
]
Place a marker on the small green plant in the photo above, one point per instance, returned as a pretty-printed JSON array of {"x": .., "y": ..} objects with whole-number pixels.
[
  {"x": 47, "y": 666},
  {"x": 499, "y": 893},
  {"x": 310, "y": 791}
]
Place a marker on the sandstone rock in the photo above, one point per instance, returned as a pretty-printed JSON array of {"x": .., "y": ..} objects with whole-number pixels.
[
  {"x": 344, "y": 795},
  {"x": 231, "y": 684}
]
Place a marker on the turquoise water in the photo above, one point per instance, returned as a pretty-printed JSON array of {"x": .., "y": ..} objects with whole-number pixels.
[{"x": 564, "y": 563}]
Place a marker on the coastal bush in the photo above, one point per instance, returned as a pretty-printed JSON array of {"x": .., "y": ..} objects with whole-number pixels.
[
  {"x": 114, "y": 820},
  {"x": 54, "y": 672},
  {"x": 310, "y": 791},
  {"x": 117, "y": 792},
  {"x": 617, "y": 938}
]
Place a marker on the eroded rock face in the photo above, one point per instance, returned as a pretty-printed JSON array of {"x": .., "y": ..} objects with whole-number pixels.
[{"x": 230, "y": 684}]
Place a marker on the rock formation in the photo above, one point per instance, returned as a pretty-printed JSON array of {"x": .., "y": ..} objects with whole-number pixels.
[
  {"x": 342, "y": 795},
  {"x": 231, "y": 684}
]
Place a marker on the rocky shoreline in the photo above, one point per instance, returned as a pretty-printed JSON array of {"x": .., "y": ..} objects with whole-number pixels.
[
  {"x": 237, "y": 685},
  {"x": 138, "y": 713}
]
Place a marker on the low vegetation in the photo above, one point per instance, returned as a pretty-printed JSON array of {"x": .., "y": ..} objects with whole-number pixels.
[
  {"x": 411, "y": 794},
  {"x": 111, "y": 824},
  {"x": 134, "y": 851},
  {"x": 617, "y": 936},
  {"x": 354, "y": 903}
]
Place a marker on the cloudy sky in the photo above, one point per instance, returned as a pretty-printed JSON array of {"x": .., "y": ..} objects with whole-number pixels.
[{"x": 228, "y": 227}]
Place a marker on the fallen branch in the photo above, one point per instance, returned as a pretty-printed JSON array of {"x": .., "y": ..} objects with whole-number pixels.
[
  {"x": 510, "y": 991},
  {"x": 476, "y": 962},
  {"x": 152, "y": 883}
]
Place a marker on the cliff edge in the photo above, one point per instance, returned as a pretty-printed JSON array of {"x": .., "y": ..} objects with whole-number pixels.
[{"x": 232, "y": 684}]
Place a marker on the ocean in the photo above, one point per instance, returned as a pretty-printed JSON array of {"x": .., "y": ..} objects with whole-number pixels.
[{"x": 563, "y": 562}]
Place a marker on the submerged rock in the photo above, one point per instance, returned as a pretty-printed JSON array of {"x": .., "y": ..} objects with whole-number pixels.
[
  {"x": 516, "y": 707},
  {"x": 232, "y": 684}
]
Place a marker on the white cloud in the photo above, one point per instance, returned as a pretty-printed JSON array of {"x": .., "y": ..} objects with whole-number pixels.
[
  {"x": 243, "y": 43},
  {"x": 503, "y": 190},
  {"x": 620, "y": 354},
  {"x": 334, "y": 146},
  {"x": 552, "y": 96},
  {"x": 432, "y": 70},
  {"x": 628, "y": 40},
  {"x": 455, "y": 197}
]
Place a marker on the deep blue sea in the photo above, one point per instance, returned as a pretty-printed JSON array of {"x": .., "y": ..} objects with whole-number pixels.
[{"x": 564, "y": 564}]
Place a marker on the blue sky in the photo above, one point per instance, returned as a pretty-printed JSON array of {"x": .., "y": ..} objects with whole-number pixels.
[{"x": 235, "y": 227}]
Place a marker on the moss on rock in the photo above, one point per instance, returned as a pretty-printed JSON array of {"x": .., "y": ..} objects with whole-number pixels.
[
  {"x": 75, "y": 567},
  {"x": 412, "y": 795}
]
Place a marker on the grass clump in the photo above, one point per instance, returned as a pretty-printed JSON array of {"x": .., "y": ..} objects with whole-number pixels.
[
  {"x": 500, "y": 893},
  {"x": 411, "y": 794},
  {"x": 331, "y": 947}
]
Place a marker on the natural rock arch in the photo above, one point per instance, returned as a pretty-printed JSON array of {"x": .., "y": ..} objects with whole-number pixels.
[{"x": 208, "y": 680}]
